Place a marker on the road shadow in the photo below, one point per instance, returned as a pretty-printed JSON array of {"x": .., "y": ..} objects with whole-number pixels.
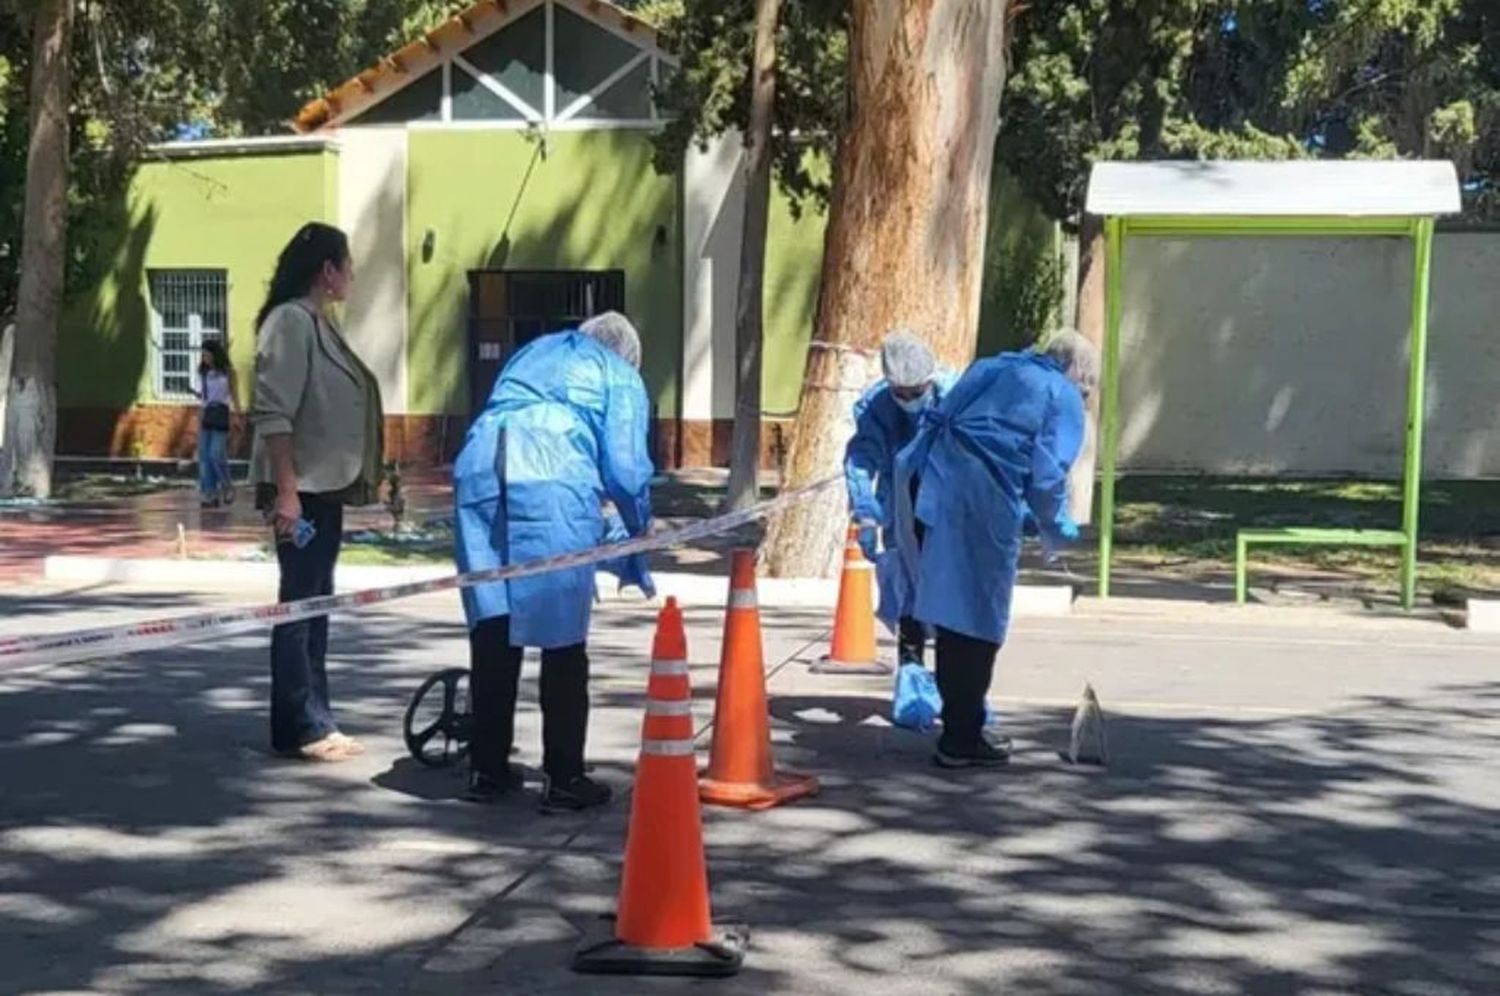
[{"x": 148, "y": 845}]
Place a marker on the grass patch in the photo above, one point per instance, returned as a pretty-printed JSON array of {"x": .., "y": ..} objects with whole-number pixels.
[
  {"x": 1188, "y": 525},
  {"x": 88, "y": 488},
  {"x": 388, "y": 555}
]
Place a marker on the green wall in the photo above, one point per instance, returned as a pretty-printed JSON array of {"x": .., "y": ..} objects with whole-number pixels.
[
  {"x": 794, "y": 265},
  {"x": 492, "y": 200},
  {"x": 228, "y": 212}
]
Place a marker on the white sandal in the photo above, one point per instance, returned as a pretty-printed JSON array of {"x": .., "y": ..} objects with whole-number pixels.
[
  {"x": 348, "y": 743},
  {"x": 329, "y": 750}
]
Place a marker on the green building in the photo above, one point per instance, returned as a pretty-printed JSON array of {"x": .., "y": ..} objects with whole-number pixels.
[{"x": 496, "y": 180}]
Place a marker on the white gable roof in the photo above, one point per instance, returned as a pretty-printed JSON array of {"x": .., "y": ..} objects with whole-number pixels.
[{"x": 1310, "y": 188}]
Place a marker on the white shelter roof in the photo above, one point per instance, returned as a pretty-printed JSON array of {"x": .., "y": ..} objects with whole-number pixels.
[{"x": 1297, "y": 189}]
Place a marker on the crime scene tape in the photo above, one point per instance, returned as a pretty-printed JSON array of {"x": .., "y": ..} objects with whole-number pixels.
[{"x": 83, "y": 644}]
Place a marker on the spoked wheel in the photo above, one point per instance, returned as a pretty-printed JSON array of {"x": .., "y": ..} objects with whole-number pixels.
[{"x": 439, "y": 719}]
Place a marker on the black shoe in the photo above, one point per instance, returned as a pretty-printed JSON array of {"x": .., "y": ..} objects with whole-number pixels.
[
  {"x": 985, "y": 755},
  {"x": 486, "y": 790},
  {"x": 999, "y": 741},
  {"x": 574, "y": 794}
]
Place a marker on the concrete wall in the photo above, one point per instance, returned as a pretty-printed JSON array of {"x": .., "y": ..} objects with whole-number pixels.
[{"x": 1289, "y": 356}]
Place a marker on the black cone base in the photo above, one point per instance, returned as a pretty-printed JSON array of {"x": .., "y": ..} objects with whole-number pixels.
[{"x": 601, "y": 953}]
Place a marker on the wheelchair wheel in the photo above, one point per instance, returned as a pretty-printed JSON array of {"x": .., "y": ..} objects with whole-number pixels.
[{"x": 438, "y": 720}]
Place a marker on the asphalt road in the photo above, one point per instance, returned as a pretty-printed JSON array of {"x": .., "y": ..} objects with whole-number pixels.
[{"x": 1301, "y": 803}]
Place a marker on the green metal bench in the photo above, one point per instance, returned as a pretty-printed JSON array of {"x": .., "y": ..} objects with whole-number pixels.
[{"x": 1300, "y": 536}]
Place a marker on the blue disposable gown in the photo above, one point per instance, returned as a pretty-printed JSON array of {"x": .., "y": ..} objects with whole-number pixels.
[
  {"x": 882, "y": 428},
  {"x": 1002, "y": 442},
  {"x": 564, "y": 429}
]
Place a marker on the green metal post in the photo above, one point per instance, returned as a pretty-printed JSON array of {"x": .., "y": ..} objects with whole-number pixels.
[
  {"x": 1241, "y": 568},
  {"x": 1109, "y": 400},
  {"x": 1421, "y": 295}
]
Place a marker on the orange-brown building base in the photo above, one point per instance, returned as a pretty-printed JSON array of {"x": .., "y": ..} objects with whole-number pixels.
[{"x": 154, "y": 432}]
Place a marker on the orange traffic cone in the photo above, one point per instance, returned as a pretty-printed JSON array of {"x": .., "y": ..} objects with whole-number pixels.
[
  {"x": 663, "y": 926},
  {"x": 853, "y": 650},
  {"x": 741, "y": 771}
]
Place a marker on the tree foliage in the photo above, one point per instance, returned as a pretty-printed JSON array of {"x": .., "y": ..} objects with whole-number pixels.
[
  {"x": 1273, "y": 79},
  {"x": 1091, "y": 79},
  {"x": 710, "y": 95}
]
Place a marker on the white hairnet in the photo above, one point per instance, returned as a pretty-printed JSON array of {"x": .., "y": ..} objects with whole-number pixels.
[
  {"x": 1078, "y": 357},
  {"x": 614, "y": 330},
  {"x": 906, "y": 360}
]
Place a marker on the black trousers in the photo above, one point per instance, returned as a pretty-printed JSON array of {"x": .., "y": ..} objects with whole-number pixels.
[
  {"x": 301, "y": 712},
  {"x": 911, "y": 635},
  {"x": 494, "y": 680},
  {"x": 911, "y": 641},
  {"x": 965, "y": 666}
]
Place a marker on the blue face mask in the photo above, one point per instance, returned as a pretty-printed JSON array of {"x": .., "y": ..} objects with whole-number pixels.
[{"x": 915, "y": 406}]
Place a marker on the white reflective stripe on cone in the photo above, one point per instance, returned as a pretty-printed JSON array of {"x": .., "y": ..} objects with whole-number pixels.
[
  {"x": 668, "y": 748},
  {"x": 681, "y": 707},
  {"x": 743, "y": 599},
  {"x": 669, "y": 667},
  {"x": 863, "y": 565}
]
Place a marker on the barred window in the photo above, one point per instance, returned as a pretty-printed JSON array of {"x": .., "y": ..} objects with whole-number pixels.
[{"x": 188, "y": 308}]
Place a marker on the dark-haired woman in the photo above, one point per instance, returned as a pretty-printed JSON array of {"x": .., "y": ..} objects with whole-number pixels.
[
  {"x": 216, "y": 391},
  {"x": 317, "y": 418}
]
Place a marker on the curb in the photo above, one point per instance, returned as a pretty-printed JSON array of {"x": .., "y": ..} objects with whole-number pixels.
[
  {"x": 691, "y": 590},
  {"x": 1483, "y": 615},
  {"x": 216, "y": 573}
]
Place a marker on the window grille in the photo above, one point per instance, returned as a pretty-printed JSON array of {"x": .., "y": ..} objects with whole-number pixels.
[{"x": 188, "y": 308}]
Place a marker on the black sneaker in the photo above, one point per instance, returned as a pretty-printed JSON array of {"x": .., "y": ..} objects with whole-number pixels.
[
  {"x": 985, "y": 755},
  {"x": 574, "y": 794},
  {"x": 999, "y": 741},
  {"x": 486, "y": 790}
]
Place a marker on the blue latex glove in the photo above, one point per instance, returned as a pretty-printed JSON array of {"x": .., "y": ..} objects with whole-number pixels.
[
  {"x": 614, "y": 528},
  {"x": 629, "y": 570},
  {"x": 1065, "y": 531},
  {"x": 868, "y": 541},
  {"x": 633, "y": 571}
]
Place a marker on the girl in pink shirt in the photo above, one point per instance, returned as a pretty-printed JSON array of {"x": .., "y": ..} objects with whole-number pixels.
[{"x": 217, "y": 394}]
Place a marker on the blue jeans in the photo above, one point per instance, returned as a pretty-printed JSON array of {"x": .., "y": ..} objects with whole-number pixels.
[
  {"x": 213, "y": 462},
  {"x": 301, "y": 712}
]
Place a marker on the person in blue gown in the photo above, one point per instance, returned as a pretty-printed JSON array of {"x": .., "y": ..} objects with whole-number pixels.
[
  {"x": 885, "y": 422},
  {"x": 1001, "y": 443},
  {"x": 562, "y": 438}
]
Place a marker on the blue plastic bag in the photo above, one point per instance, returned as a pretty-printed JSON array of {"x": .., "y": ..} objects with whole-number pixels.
[{"x": 916, "y": 703}]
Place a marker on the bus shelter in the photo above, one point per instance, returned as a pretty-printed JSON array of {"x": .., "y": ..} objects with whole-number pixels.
[{"x": 1343, "y": 199}]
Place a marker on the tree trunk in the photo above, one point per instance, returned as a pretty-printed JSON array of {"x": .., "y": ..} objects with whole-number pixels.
[
  {"x": 31, "y": 405},
  {"x": 744, "y": 461},
  {"x": 906, "y": 231},
  {"x": 1091, "y": 262}
]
